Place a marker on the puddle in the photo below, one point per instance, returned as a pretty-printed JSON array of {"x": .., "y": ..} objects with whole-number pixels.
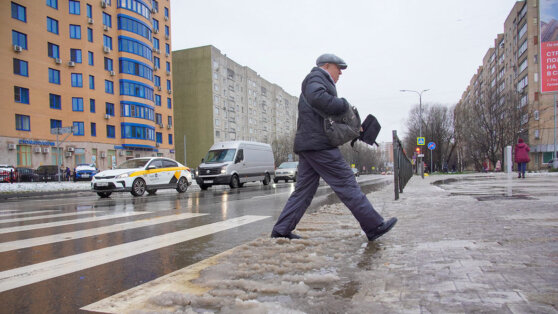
[{"x": 504, "y": 197}]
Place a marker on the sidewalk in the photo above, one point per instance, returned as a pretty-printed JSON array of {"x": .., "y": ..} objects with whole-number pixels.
[{"x": 452, "y": 251}]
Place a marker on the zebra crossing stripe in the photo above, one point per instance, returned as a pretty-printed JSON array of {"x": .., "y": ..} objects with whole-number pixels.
[
  {"x": 68, "y": 222},
  {"x": 22, "y": 276},
  {"x": 50, "y": 216},
  {"x": 15, "y": 212},
  {"x": 20, "y": 244}
]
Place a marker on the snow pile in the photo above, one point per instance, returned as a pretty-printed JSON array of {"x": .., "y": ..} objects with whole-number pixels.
[{"x": 27, "y": 187}]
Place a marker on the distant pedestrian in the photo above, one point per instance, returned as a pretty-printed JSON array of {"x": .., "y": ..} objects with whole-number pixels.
[
  {"x": 68, "y": 172},
  {"x": 12, "y": 176},
  {"x": 521, "y": 157},
  {"x": 498, "y": 166},
  {"x": 318, "y": 158}
]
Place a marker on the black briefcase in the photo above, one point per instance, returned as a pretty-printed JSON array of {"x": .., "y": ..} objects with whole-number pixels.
[{"x": 370, "y": 130}]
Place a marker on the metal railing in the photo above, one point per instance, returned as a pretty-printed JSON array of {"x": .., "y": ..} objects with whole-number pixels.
[{"x": 402, "y": 166}]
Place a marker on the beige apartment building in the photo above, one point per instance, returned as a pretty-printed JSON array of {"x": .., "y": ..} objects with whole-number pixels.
[
  {"x": 102, "y": 67},
  {"x": 217, "y": 99},
  {"x": 512, "y": 67}
]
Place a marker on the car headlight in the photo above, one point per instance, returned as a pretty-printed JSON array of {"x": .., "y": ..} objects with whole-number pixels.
[
  {"x": 122, "y": 176},
  {"x": 223, "y": 169}
]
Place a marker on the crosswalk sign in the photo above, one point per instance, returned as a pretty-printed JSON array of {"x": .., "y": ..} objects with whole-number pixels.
[{"x": 420, "y": 141}]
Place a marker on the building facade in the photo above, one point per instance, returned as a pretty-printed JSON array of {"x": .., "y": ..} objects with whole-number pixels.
[
  {"x": 511, "y": 72},
  {"x": 102, "y": 67},
  {"x": 217, "y": 100}
]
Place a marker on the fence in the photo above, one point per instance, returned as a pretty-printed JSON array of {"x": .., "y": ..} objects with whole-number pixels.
[{"x": 402, "y": 166}]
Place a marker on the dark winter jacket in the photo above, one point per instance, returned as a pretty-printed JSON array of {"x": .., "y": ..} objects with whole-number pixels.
[
  {"x": 522, "y": 152},
  {"x": 319, "y": 90}
]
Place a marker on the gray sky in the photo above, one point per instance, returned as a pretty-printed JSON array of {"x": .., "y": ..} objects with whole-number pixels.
[{"x": 388, "y": 45}]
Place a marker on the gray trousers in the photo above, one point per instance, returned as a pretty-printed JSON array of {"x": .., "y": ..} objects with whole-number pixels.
[{"x": 332, "y": 167}]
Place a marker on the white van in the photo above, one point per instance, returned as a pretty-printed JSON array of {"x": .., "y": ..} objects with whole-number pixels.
[{"x": 235, "y": 163}]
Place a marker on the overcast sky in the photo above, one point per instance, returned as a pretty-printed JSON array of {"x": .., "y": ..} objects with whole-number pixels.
[{"x": 388, "y": 45}]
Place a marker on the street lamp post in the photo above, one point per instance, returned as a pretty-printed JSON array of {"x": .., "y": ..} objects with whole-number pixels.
[{"x": 420, "y": 124}]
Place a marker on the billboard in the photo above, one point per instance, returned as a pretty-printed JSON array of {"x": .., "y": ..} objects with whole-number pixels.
[{"x": 549, "y": 45}]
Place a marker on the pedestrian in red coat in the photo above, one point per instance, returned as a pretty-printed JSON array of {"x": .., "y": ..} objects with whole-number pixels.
[{"x": 521, "y": 157}]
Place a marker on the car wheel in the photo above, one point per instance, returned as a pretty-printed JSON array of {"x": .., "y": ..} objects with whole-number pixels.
[
  {"x": 234, "y": 182},
  {"x": 182, "y": 185},
  {"x": 275, "y": 180},
  {"x": 151, "y": 192},
  {"x": 267, "y": 179},
  {"x": 104, "y": 194},
  {"x": 138, "y": 187},
  {"x": 204, "y": 186}
]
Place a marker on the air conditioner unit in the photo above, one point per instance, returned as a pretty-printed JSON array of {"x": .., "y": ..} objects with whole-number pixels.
[
  {"x": 156, "y": 31},
  {"x": 103, "y": 154},
  {"x": 70, "y": 149},
  {"x": 157, "y": 50},
  {"x": 18, "y": 48},
  {"x": 166, "y": 18},
  {"x": 156, "y": 67},
  {"x": 58, "y": 61},
  {"x": 107, "y": 116},
  {"x": 46, "y": 150},
  {"x": 170, "y": 91},
  {"x": 161, "y": 125},
  {"x": 37, "y": 149},
  {"x": 157, "y": 144},
  {"x": 103, "y": 4},
  {"x": 166, "y": 36},
  {"x": 168, "y": 73},
  {"x": 121, "y": 153},
  {"x": 159, "y": 88},
  {"x": 166, "y": 55},
  {"x": 112, "y": 73},
  {"x": 90, "y": 20},
  {"x": 11, "y": 146},
  {"x": 169, "y": 126},
  {"x": 71, "y": 64},
  {"x": 68, "y": 154},
  {"x": 105, "y": 27},
  {"x": 106, "y": 49},
  {"x": 153, "y": 10}
]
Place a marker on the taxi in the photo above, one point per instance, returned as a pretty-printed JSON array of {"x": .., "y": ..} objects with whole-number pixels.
[{"x": 140, "y": 175}]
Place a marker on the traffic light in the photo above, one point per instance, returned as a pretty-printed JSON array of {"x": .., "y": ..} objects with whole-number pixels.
[{"x": 418, "y": 150}]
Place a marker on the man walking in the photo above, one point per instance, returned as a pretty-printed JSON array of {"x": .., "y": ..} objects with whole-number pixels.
[{"x": 318, "y": 158}]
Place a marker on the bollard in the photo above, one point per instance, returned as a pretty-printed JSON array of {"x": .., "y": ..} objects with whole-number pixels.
[{"x": 508, "y": 160}]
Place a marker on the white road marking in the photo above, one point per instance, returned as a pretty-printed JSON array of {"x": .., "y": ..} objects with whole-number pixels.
[
  {"x": 22, "y": 276},
  {"x": 8, "y": 211},
  {"x": 19, "y": 244},
  {"x": 50, "y": 216},
  {"x": 28, "y": 213},
  {"x": 68, "y": 222}
]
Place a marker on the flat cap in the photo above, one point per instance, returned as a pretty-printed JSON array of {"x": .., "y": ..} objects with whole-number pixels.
[{"x": 331, "y": 58}]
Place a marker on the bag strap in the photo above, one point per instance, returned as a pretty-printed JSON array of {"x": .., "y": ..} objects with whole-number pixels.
[{"x": 315, "y": 110}]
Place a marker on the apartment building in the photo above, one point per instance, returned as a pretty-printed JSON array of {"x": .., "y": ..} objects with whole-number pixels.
[
  {"x": 102, "y": 67},
  {"x": 511, "y": 72},
  {"x": 217, "y": 99}
]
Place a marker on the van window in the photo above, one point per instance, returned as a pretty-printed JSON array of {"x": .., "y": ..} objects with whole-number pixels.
[
  {"x": 220, "y": 155},
  {"x": 239, "y": 156}
]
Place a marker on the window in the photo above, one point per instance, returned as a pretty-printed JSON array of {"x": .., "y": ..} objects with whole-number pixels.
[
  {"x": 167, "y": 49},
  {"x": 55, "y": 101},
  {"x": 134, "y": 46},
  {"x": 89, "y": 10},
  {"x": 18, "y": 12},
  {"x": 91, "y": 82},
  {"x": 168, "y": 85},
  {"x": 134, "y": 67},
  {"x": 155, "y": 24},
  {"x": 166, "y": 13},
  {"x": 136, "y": 6},
  {"x": 19, "y": 39},
  {"x": 159, "y": 137},
  {"x": 77, "y": 80},
  {"x": 522, "y": 31},
  {"x": 157, "y": 100},
  {"x": 157, "y": 80},
  {"x": 138, "y": 131},
  {"x": 168, "y": 66},
  {"x": 158, "y": 118},
  {"x": 167, "y": 31},
  {"x": 21, "y": 95},
  {"x": 77, "y": 104},
  {"x": 522, "y": 66},
  {"x": 107, "y": 41},
  {"x": 52, "y": 3},
  {"x": 157, "y": 62},
  {"x": 156, "y": 43},
  {"x": 155, "y": 5},
  {"x": 522, "y": 48},
  {"x": 23, "y": 122},
  {"x": 75, "y": 55},
  {"x": 92, "y": 105},
  {"x": 109, "y": 109},
  {"x": 107, "y": 20},
  {"x": 53, "y": 51},
  {"x": 55, "y": 123},
  {"x": 79, "y": 127},
  {"x": 110, "y": 131},
  {"x": 74, "y": 7},
  {"x": 109, "y": 87},
  {"x": 169, "y": 103},
  {"x": 21, "y": 67},
  {"x": 52, "y": 25},
  {"x": 137, "y": 89},
  {"x": 93, "y": 129},
  {"x": 169, "y": 120},
  {"x": 53, "y": 76},
  {"x": 90, "y": 58},
  {"x": 137, "y": 110},
  {"x": 75, "y": 31},
  {"x": 89, "y": 35},
  {"x": 133, "y": 25},
  {"x": 170, "y": 139},
  {"x": 108, "y": 64}
]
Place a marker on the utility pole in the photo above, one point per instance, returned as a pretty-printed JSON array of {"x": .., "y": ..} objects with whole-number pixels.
[{"x": 419, "y": 159}]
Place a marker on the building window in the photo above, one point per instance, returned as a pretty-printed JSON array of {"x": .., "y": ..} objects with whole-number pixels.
[
  {"x": 110, "y": 131},
  {"x": 107, "y": 20},
  {"x": 137, "y": 110},
  {"x": 21, "y": 95},
  {"x": 130, "y": 66},
  {"x": 170, "y": 139},
  {"x": 21, "y": 67},
  {"x": 167, "y": 49},
  {"x": 109, "y": 87},
  {"x": 92, "y": 105},
  {"x": 93, "y": 129},
  {"x": 75, "y": 31},
  {"x": 55, "y": 123},
  {"x": 135, "y": 46},
  {"x": 77, "y": 104},
  {"x": 52, "y": 25},
  {"x": 155, "y": 5},
  {"x": 74, "y": 7},
  {"x": 23, "y": 122},
  {"x": 158, "y": 118},
  {"x": 108, "y": 64},
  {"x": 159, "y": 137},
  {"x": 53, "y": 76},
  {"x": 89, "y": 10},
  {"x": 19, "y": 39},
  {"x": 157, "y": 63},
  {"x": 79, "y": 126},
  {"x": 169, "y": 103},
  {"x": 75, "y": 55},
  {"x": 109, "y": 109},
  {"x": 138, "y": 131},
  {"x": 18, "y": 12},
  {"x": 55, "y": 101},
  {"x": 156, "y": 43},
  {"x": 522, "y": 31},
  {"x": 157, "y": 81},
  {"x": 166, "y": 13},
  {"x": 136, "y": 89},
  {"x": 133, "y": 25},
  {"x": 168, "y": 85},
  {"x": 52, "y": 3},
  {"x": 90, "y": 58},
  {"x": 136, "y": 6},
  {"x": 107, "y": 41},
  {"x": 89, "y": 35},
  {"x": 157, "y": 100},
  {"x": 168, "y": 66},
  {"x": 155, "y": 24},
  {"x": 169, "y": 120},
  {"x": 53, "y": 51},
  {"x": 167, "y": 31},
  {"x": 91, "y": 82},
  {"x": 77, "y": 80}
]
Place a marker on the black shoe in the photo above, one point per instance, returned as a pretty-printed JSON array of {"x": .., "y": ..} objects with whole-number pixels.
[
  {"x": 275, "y": 234},
  {"x": 383, "y": 228}
]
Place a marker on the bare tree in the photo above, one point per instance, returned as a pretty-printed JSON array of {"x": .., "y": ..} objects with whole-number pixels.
[{"x": 282, "y": 147}]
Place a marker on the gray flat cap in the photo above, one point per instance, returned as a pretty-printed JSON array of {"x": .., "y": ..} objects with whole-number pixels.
[{"x": 331, "y": 58}]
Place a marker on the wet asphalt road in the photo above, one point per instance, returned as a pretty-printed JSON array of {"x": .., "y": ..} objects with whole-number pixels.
[{"x": 56, "y": 287}]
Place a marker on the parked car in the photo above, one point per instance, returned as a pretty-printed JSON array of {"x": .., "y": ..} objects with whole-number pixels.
[
  {"x": 26, "y": 174},
  {"x": 286, "y": 171},
  {"x": 47, "y": 173},
  {"x": 140, "y": 175},
  {"x": 235, "y": 163},
  {"x": 356, "y": 172},
  {"x": 8, "y": 173},
  {"x": 85, "y": 172}
]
